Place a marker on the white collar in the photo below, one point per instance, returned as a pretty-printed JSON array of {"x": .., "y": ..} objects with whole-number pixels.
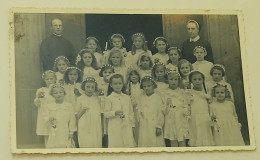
[
  {"x": 57, "y": 35},
  {"x": 195, "y": 39}
]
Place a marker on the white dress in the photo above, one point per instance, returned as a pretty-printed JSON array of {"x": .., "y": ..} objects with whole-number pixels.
[
  {"x": 176, "y": 120},
  {"x": 120, "y": 132},
  {"x": 65, "y": 124},
  {"x": 89, "y": 125},
  {"x": 90, "y": 72},
  {"x": 41, "y": 128},
  {"x": 229, "y": 133},
  {"x": 70, "y": 95},
  {"x": 204, "y": 67},
  {"x": 121, "y": 70},
  {"x": 200, "y": 124},
  {"x": 163, "y": 58},
  {"x": 144, "y": 73},
  {"x": 151, "y": 117},
  {"x": 132, "y": 59},
  {"x": 99, "y": 59},
  {"x": 161, "y": 87}
]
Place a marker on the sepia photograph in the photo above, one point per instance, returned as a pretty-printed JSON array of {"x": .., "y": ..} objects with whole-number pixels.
[{"x": 111, "y": 81}]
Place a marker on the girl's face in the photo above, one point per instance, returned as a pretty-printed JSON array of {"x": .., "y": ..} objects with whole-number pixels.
[
  {"x": 62, "y": 66},
  {"x": 220, "y": 93},
  {"x": 107, "y": 73},
  {"x": 92, "y": 45},
  {"x": 49, "y": 79},
  {"x": 90, "y": 88},
  {"x": 161, "y": 46},
  {"x": 173, "y": 80},
  {"x": 160, "y": 73},
  {"x": 197, "y": 81},
  {"x": 117, "y": 43},
  {"x": 87, "y": 59},
  {"x": 174, "y": 55},
  {"x": 138, "y": 42},
  {"x": 199, "y": 54},
  {"x": 185, "y": 69},
  {"x": 134, "y": 78},
  {"x": 73, "y": 76},
  {"x": 117, "y": 85},
  {"x": 217, "y": 75},
  {"x": 145, "y": 63},
  {"x": 148, "y": 87},
  {"x": 116, "y": 59},
  {"x": 58, "y": 93}
]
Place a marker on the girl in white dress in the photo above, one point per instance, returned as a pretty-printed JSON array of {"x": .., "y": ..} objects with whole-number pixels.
[
  {"x": 42, "y": 99},
  {"x": 117, "y": 61},
  {"x": 139, "y": 47},
  {"x": 217, "y": 73},
  {"x": 133, "y": 89},
  {"x": 176, "y": 112},
  {"x": 60, "y": 119},
  {"x": 159, "y": 75},
  {"x": 60, "y": 65},
  {"x": 88, "y": 114},
  {"x": 223, "y": 113},
  {"x": 200, "y": 124},
  {"x": 201, "y": 64},
  {"x": 150, "y": 113},
  {"x": 117, "y": 41},
  {"x": 174, "y": 56},
  {"x": 145, "y": 63},
  {"x": 161, "y": 44},
  {"x": 92, "y": 44},
  {"x": 103, "y": 83},
  {"x": 119, "y": 111},
  {"x": 87, "y": 63}
]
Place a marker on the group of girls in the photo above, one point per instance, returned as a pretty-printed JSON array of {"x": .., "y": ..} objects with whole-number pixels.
[{"x": 130, "y": 99}]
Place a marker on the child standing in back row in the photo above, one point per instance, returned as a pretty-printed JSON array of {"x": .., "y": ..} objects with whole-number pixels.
[{"x": 161, "y": 45}]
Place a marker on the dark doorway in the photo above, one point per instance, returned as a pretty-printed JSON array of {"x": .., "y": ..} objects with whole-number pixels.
[{"x": 102, "y": 26}]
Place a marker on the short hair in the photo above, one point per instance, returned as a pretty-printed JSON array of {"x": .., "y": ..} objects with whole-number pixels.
[
  {"x": 117, "y": 35},
  {"x": 96, "y": 41},
  {"x": 81, "y": 64},
  {"x": 201, "y": 47},
  {"x": 110, "y": 89},
  {"x": 105, "y": 67},
  {"x": 89, "y": 80},
  {"x": 155, "y": 66},
  {"x": 114, "y": 51},
  {"x": 160, "y": 39},
  {"x": 217, "y": 67},
  {"x": 55, "y": 68},
  {"x": 66, "y": 74},
  {"x": 175, "y": 49},
  {"x": 182, "y": 62},
  {"x": 57, "y": 85},
  {"x": 227, "y": 92},
  {"x": 56, "y": 19},
  {"x": 146, "y": 79},
  {"x": 174, "y": 72},
  {"x": 142, "y": 56}
]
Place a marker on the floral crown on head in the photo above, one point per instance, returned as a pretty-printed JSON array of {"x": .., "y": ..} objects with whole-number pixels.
[
  {"x": 204, "y": 49},
  {"x": 148, "y": 78},
  {"x": 71, "y": 68},
  {"x": 88, "y": 38},
  {"x": 174, "y": 48},
  {"x": 173, "y": 72},
  {"x": 193, "y": 21},
  {"x": 138, "y": 35},
  {"x": 158, "y": 63},
  {"x": 117, "y": 34},
  {"x": 89, "y": 79},
  {"x": 47, "y": 72},
  {"x": 61, "y": 57},
  {"x": 107, "y": 65},
  {"x": 57, "y": 85},
  {"x": 219, "y": 65},
  {"x": 158, "y": 38}
]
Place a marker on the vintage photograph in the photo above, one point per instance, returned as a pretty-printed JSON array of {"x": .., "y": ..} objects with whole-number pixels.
[{"x": 121, "y": 82}]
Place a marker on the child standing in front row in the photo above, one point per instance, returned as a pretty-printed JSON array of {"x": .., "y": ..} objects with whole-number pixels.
[
  {"x": 89, "y": 116},
  {"x": 60, "y": 65},
  {"x": 176, "y": 112},
  {"x": 174, "y": 56},
  {"x": 119, "y": 111},
  {"x": 201, "y": 64},
  {"x": 60, "y": 120},
  {"x": 92, "y": 44},
  {"x": 43, "y": 98},
  {"x": 139, "y": 47},
  {"x": 117, "y": 41},
  {"x": 161, "y": 45},
  {"x": 87, "y": 64},
  {"x": 223, "y": 113},
  {"x": 150, "y": 116},
  {"x": 200, "y": 124}
]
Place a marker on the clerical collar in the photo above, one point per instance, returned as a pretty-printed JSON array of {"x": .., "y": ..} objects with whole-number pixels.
[
  {"x": 57, "y": 35},
  {"x": 195, "y": 39}
]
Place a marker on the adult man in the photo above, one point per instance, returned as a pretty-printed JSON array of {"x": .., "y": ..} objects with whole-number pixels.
[
  {"x": 195, "y": 40},
  {"x": 55, "y": 45}
]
